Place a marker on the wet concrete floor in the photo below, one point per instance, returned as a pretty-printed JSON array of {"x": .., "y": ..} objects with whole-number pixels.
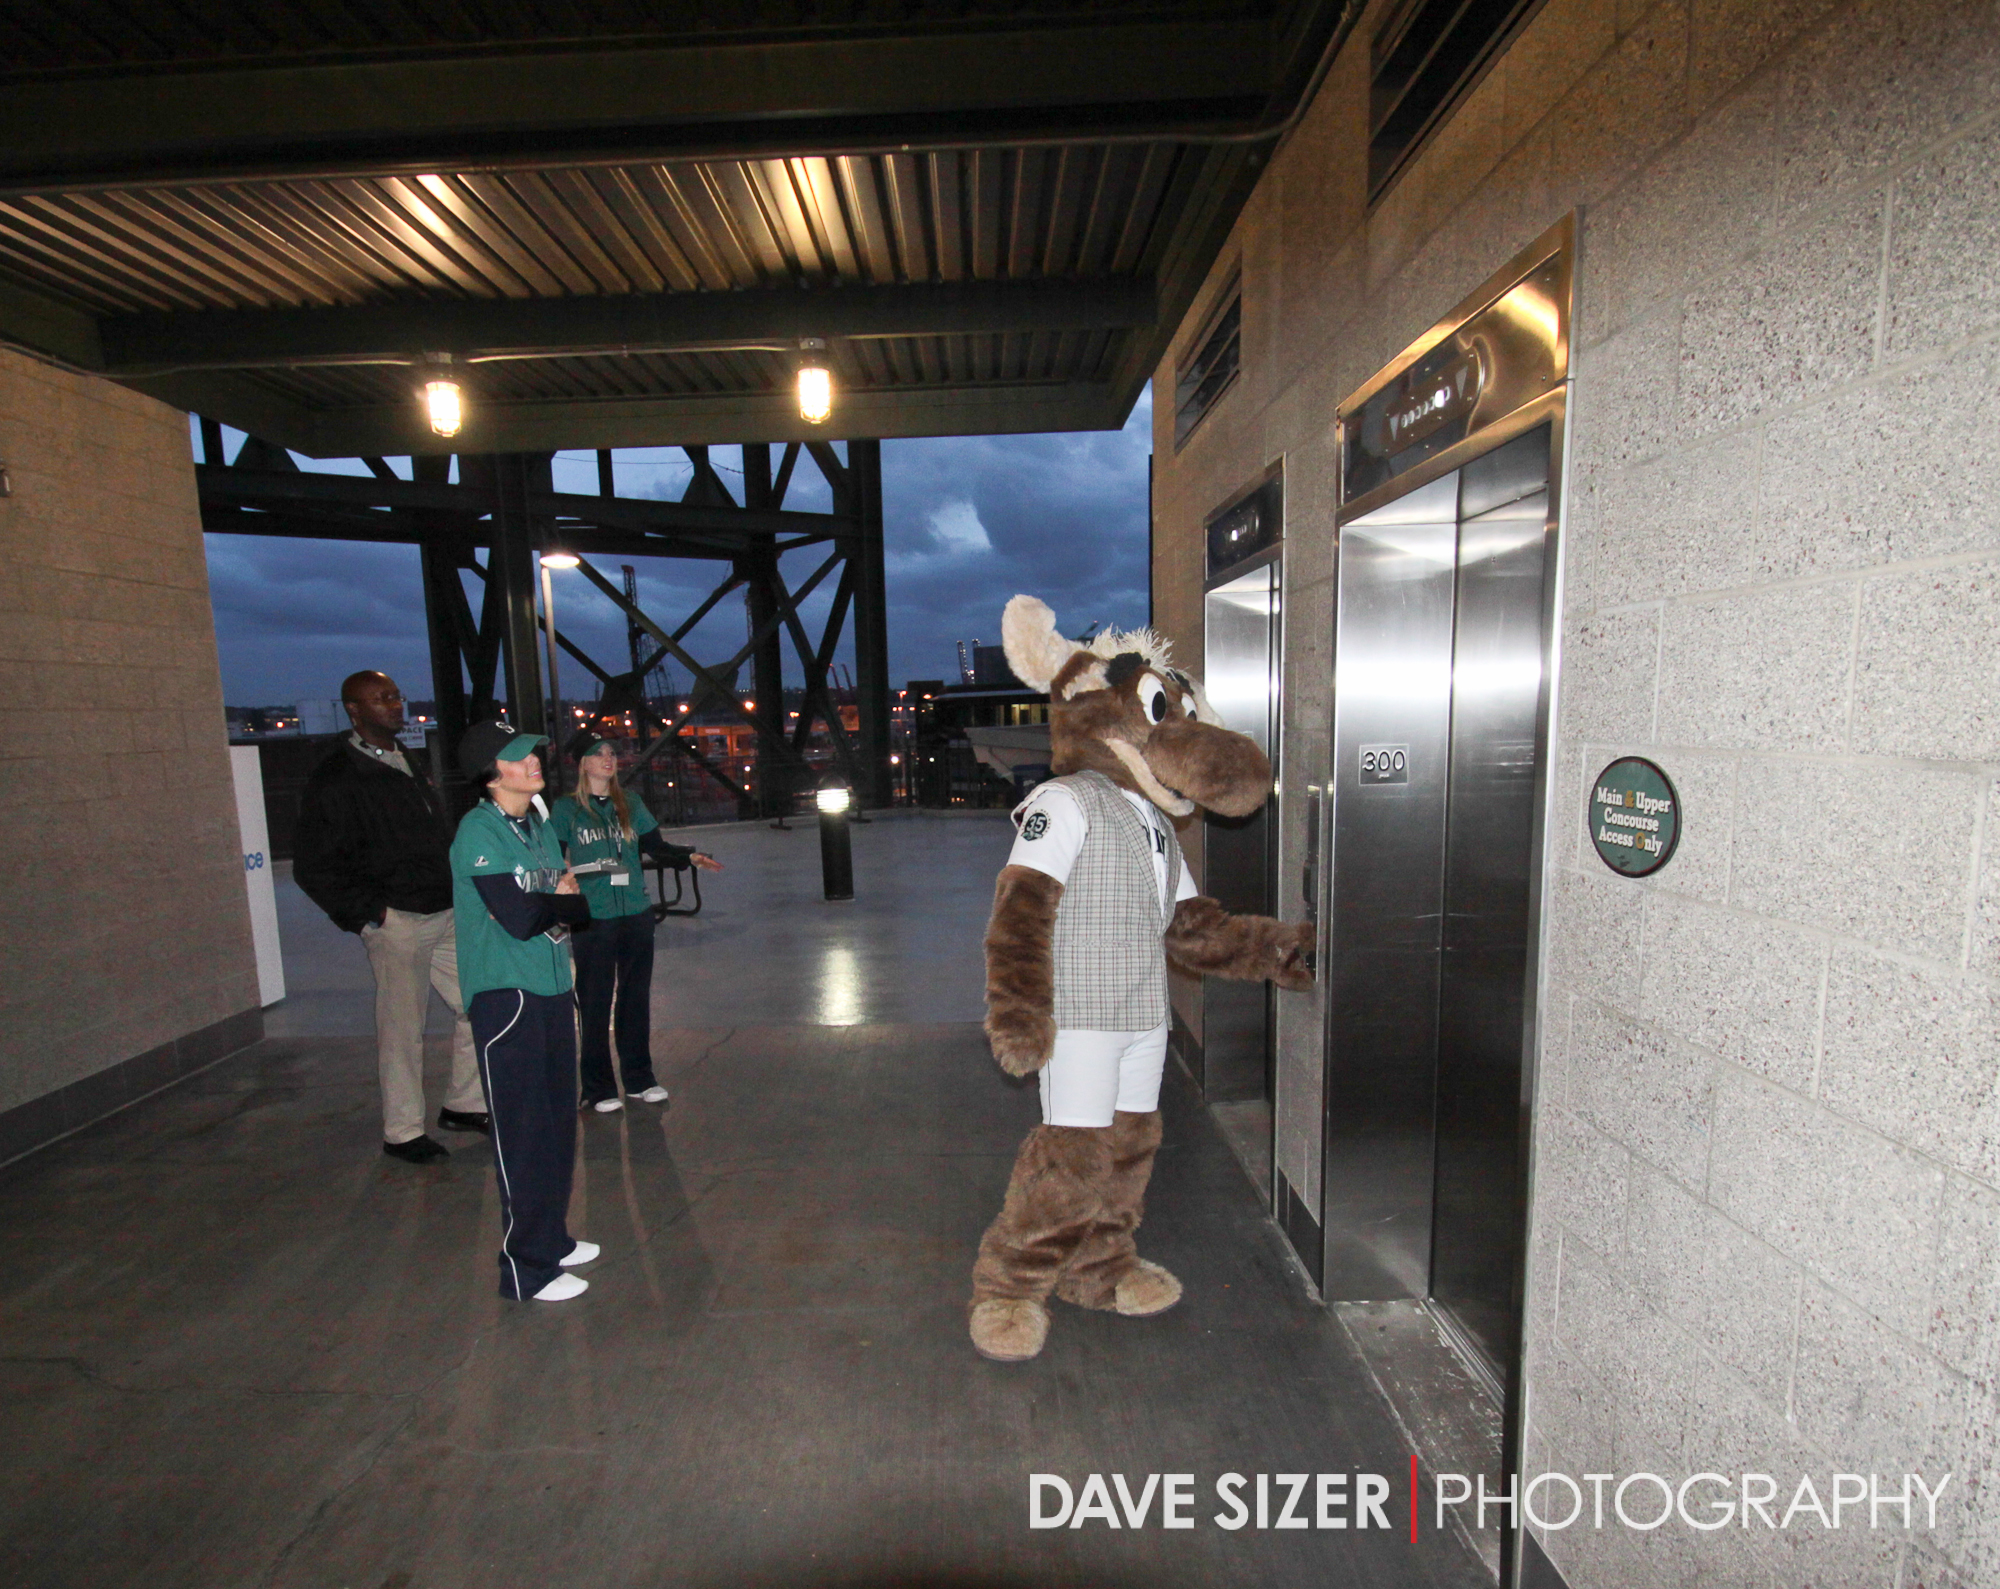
[{"x": 240, "y": 1347}]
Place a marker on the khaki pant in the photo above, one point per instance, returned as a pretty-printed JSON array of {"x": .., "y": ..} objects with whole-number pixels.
[{"x": 410, "y": 955}]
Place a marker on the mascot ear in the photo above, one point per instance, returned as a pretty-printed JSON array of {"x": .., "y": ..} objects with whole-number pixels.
[{"x": 1035, "y": 651}]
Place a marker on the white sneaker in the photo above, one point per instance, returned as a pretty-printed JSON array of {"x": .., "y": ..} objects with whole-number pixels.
[
  {"x": 652, "y": 1095},
  {"x": 608, "y": 1106},
  {"x": 582, "y": 1252},
  {"x": 562, "y": 1288}
]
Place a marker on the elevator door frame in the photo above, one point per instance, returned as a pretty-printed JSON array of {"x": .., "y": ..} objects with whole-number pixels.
[
  {"x": 1549, "y": 408},
  {"x": 1266, "y": 819}
]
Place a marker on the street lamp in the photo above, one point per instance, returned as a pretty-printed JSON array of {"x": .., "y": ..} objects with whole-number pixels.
[
  {"x": 836, "y": 844},
  {"x": 553, "y": 560}
]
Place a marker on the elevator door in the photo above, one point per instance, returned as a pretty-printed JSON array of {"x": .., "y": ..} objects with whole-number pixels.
[
  {"x": 1241, "y": 658},
  {"x": 1438, "y": 739}
]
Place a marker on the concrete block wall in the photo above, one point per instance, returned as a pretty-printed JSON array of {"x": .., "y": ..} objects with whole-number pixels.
[
  {"x": 127, "y": 934},
  {"x": 1766, "y": 1230}
]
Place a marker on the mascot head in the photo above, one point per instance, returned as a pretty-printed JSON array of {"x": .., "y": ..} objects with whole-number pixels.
[{"x": 1117, "y": 706}]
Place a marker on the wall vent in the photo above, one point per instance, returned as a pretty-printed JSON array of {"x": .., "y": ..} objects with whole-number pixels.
[
  {"x": 1208, "y": 372},
  {"x": 1426, "y": 57}
]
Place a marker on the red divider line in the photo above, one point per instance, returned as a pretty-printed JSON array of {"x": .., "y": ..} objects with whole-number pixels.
[{"x": 1413, "y": 1497}]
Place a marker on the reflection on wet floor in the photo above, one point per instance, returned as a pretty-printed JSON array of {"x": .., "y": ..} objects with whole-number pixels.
[{"x": 240, "y": 1347}]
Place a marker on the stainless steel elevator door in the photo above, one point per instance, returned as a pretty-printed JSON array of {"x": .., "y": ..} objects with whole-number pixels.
[
  {"x": 1478, "y": 1211},
  {"x": 1391, "y": 730},
  {"x": 1241, "y": 660},
  {"x": 1439, "y": 661}
]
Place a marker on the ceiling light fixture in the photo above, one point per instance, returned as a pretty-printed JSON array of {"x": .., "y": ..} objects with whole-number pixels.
[
  {"x": 444, "y": 399},
  {"x": 815, "y": 382}
]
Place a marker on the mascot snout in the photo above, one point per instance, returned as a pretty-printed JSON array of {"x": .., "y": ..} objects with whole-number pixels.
[{"x": 1218, "y": 769}]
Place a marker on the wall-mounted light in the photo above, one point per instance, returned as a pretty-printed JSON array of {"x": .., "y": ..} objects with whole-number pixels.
[
  {"x": 815, "y": 382},
  {"x": 560, "y": 560},
  {"x": 444, "y": 398}
]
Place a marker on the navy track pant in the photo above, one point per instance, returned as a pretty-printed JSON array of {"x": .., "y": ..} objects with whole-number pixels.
[
  {"x": 613, "y": 958},
  {"x": 527, "y": 1057}
]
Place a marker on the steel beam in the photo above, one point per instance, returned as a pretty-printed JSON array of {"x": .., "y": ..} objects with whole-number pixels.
[
  {"x": 598, "y": 101},
  {"x": 440, "y": 539},
  {"x": 664, "y": 322},
  {"x": 311, "y": 523},
  {"x": 871, "y": 623},
  {"x": 263, "y": 487},
  {"x": 555, "y": 425},
  {"x": 511, "y": 572},
  {"x": 760, "y": 568}
]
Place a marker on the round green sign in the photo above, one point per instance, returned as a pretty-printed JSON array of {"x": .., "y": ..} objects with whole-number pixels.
[{"x": 1635, "y": 817}]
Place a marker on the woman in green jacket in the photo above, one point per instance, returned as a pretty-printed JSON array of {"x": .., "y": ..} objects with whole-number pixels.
[{"x": 606, "y": 832}]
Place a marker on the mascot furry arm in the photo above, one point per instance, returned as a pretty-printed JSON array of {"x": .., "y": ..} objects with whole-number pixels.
[
  {"x": 1021, "y": 969},
  {"x": 1117, "y": 707}
]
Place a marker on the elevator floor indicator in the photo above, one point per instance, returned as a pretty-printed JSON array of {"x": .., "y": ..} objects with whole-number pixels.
[{"x": 1635, "y": 817}]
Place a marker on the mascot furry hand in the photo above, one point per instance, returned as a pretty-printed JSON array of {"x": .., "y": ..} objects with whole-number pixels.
[{"x": 1092, "y": 904}]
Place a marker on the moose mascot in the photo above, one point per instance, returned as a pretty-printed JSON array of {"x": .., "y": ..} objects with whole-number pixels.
[{"x": 1093, "y": 902}]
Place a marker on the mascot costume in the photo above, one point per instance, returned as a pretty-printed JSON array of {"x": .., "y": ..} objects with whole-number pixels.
[{"x": 1093, "y": 902}]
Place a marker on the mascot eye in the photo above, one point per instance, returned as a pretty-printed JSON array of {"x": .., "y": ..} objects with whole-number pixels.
[{"x": 1154, "y": 699}]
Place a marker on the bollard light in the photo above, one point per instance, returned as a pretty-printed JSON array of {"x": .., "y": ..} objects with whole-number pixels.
[{"x": 836, "y": 844}]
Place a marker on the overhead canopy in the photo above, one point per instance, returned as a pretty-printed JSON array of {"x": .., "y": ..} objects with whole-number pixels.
[{"x": 626, "y": 215}]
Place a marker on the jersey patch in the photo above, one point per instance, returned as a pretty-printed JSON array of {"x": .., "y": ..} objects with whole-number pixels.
[
  {"x": 482, "y": 861},
  {"x": 1036, "y": 825}
]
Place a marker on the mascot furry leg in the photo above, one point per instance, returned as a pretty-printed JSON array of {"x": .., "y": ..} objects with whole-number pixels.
[{"x": 1088, "y": 910}]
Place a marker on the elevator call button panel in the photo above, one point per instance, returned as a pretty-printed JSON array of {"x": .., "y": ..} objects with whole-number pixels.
[{"x": 1635, "y": 817}]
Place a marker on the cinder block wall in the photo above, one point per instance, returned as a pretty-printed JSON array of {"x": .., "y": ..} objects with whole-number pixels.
[
  {"x": 1766, "y": 1231},
  {"x": 126, "y": 958}
]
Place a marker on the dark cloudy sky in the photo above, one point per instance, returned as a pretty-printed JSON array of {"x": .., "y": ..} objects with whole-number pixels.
[{"x": 969, "y": 521}]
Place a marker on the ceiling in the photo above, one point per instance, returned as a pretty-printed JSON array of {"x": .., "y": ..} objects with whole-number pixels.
[{"x": 621, "y": 217}]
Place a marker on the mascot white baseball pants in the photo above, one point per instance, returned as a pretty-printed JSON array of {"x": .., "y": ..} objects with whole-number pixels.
[{"x": 1093, "y": 1075}]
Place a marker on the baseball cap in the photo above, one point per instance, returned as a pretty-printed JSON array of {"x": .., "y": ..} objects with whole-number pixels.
[
  {"x": 587, "y": 741},
  {"x": 485, "y": 743}
]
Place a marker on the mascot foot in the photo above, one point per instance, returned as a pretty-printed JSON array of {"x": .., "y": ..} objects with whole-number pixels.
[
  {"x": 1142, "y": 1289},
  {"x": 1146, "y": 1289},
  {"x": 1010, "y": 1332}
]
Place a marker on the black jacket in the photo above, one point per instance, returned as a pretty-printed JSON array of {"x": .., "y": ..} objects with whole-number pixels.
[{"x": 370, "y": 837}]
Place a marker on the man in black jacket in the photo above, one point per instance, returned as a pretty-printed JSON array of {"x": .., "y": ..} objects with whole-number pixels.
[{"x": 373, "y": 850}]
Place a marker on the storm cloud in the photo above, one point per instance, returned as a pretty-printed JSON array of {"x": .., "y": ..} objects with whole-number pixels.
[{"x": 968, "y": 521}]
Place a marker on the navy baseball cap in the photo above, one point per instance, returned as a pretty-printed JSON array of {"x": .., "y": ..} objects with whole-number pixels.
[{"x": 486, "y": 743}]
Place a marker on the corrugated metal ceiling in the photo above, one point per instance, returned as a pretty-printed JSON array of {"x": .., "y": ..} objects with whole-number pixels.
[
  {"x": 714, "y": 226},
  {"x": 270, "y": 213}
]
